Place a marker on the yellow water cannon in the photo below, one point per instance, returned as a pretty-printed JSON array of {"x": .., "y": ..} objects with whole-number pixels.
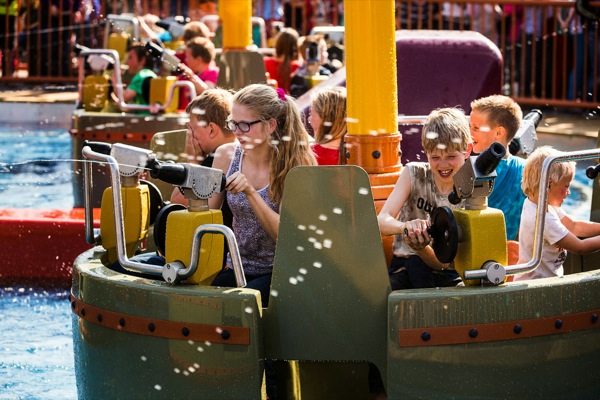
[
  {"x": 134, "y": 199},
  {"x": 96, "y": 86},
  {"x": 473, "y": 237},
  {"x": 176, "y": 227}
]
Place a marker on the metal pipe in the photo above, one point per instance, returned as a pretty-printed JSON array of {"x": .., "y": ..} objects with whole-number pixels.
[
  {"x": 231, "y": 244},
  {"x": 118, "y": 215}
]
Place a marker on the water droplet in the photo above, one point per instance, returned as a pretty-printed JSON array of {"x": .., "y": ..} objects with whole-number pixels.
[
  {"x": 337, "y": 210},
  {"x": 293, "y": 281},
  {"x": 317, "y": 264}
]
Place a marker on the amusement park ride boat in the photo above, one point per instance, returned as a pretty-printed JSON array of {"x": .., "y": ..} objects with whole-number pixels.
[{"x": 164, "y": 332}]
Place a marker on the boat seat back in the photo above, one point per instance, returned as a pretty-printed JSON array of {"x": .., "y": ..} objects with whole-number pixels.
[
  {"x": 120, "y": 43},
  {"x": 158, "y": 92},
  {"x": 330, "y": 285},
  {"x": 168, "y": 146},
  {"x": 95, "y": 92},
  {"x": 239, "y": 68}
]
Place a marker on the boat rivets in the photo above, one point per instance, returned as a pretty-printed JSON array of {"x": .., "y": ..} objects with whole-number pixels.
[
  {"x": 594, "y": 318},
  {"x": 151, "y": 327},
  {"x": 121, "y": 321},
  {"x": 425, "y": 336},
  {"x": 558, "y": 324},
  {"x": 376, "y": 154},
  {"x": 83, "y": 311},
  {"x": 225, "y": 334},
  {"x": 473, "y": 332},
  {"x": 99, "y": 317},
  {"x": 517, "y": 329},
  {"x": 185, "y": 331}
]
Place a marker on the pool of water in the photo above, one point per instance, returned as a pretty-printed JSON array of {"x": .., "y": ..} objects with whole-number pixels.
[
  {"x": 36, "y": 351},
  {"x": 35, "y": 168}
]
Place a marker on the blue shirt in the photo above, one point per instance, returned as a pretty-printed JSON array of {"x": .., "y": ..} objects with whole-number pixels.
[{"x": 507, "y": 194}]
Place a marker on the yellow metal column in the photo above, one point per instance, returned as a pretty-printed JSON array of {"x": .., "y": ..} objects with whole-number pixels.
[
  {"x": 373, "y": 140},
  {"x": 236, "y": 19},
  {"x": 371, "y": 83}
]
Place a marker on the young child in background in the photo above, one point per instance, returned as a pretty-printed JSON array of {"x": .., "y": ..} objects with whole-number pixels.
[
  {"x": 199, "y": 67},
  {"x": 421, "y": 187},
  {"x": 328, "y": 121},
  {"x": 497, "y": 119},
  {"x": 561, "y": 233}
]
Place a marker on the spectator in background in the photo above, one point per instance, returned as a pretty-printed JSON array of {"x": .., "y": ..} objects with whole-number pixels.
[
  {"x": 298, "y": 14},
  {"x": 314, "y": 67},
  {"x": 286, "y": 60},
  {"x": 8, "y": 25}
]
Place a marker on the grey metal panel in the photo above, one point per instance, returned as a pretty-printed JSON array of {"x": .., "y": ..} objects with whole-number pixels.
[{"x": 330, "y": 284}]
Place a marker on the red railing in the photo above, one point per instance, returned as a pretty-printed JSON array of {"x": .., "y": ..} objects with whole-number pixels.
[{"x": 551, "y": 52}]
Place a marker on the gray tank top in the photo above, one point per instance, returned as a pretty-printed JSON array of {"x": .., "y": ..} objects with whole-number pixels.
[
  {"x": 257, "y": 248},
  {"x": 424, "y": 197}
]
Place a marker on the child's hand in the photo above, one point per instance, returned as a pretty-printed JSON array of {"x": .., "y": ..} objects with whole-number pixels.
[{"x": 416, "y": 235}]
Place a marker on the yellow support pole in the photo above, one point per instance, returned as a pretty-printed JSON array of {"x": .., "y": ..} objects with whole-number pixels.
[
  {"x": 372, "y": 88},
  {"x": 236, "y": 20}
]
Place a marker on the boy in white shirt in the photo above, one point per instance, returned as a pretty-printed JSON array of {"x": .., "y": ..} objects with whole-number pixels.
[{"x": 561, "y": 233}]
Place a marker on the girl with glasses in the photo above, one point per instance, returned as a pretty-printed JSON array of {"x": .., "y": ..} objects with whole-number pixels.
[{"x": 271, "y": 141}]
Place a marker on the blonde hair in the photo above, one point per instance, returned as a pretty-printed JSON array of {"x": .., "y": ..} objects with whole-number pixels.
[
  {"x": 213, "y": 105},
  {"x": 500, "y": 111},
  {"x": 330, "y": 105},
  {"x": 446, "y": 129},
  {"x": 289, "y": 145},
  {"x": 533, "y": 170}
]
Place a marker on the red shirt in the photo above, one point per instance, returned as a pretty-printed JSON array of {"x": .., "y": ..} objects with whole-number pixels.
[
  {"x": 326, "y": 156},
  {"x": 272, "y": 67}
]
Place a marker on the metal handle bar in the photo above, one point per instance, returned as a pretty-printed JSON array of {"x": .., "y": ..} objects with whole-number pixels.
[
  {"x": 119, "y": 83},
  {"x": 172, "y": 271}
]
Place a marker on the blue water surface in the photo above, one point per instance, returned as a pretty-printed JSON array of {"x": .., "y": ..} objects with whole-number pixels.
[
  {"x": 35, "y": 167},
  {"x": 36, "y": 350}
]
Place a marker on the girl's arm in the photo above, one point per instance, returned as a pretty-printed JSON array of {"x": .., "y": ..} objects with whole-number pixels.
[
  {"x": 387, "y": 217},
  {"x": 222, "y": 159}
]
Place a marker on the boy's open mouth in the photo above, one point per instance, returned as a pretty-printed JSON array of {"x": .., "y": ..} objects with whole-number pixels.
[{"x": 445, "y": 173}]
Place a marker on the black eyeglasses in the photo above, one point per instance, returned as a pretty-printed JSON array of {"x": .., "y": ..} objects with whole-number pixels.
[{"x": 243, "y": 127}]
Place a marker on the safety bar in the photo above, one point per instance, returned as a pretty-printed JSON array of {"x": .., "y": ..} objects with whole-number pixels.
[
  {"x": 171, "y": 272},
  {"x": 119, "y": 83},
  {"x": 174, "y": 271},
  {"x": 541, "y": 214}
]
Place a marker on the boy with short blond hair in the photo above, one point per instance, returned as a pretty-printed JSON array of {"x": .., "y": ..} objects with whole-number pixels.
[
  {"x": 497, "y": 119},
  {"x": 561, "y": 233},
  {"x": 421, "y": 187}
]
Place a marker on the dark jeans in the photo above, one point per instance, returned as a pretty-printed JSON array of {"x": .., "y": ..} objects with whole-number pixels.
[
  {"x": 413, "y": 273},
  {"x": 262, "y": 283}
]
